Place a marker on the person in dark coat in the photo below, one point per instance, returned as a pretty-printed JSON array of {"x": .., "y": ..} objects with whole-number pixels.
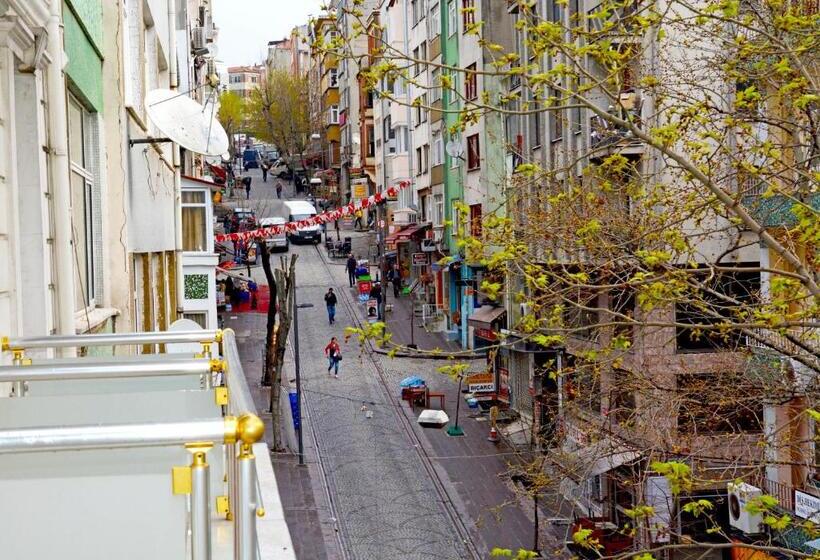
[
  {"x": 246, "y": 180},
  {"x": 351, "y": 269},
  {"x": 330, "y": 302}
]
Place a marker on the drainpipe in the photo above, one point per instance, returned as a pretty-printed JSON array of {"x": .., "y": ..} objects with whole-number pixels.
[
  {"x": 60, "y": 183},
  {"x": 174, "y": 85},
  {"x": 410, "y": 145}
]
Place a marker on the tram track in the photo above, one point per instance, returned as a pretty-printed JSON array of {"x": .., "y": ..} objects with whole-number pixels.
[{"x": 445, "y": 500}]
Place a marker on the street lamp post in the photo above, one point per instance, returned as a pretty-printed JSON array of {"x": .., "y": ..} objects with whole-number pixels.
[{"x": 296, "y": 308}]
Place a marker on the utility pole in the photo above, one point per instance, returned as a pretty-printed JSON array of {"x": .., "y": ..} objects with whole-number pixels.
[{"x": 296, "y": 308}]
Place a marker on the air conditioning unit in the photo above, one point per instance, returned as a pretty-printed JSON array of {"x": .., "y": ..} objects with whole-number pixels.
[
  {"x": 428, "y": 245},
  {"x": 739, "y": 517},
  {"x": 198, "y": 39}
]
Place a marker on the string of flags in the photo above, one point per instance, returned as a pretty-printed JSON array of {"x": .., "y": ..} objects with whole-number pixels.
[{"x": 317, "y": 220}]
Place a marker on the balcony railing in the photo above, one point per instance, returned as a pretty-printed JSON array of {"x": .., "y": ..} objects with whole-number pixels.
[{"x": 121, "y": 425}]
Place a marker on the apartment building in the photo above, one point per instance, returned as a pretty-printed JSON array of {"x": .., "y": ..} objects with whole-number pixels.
[
  {"x": 300, "y": 51},
  {"x": 242, "y": 80},
  {"x": 666, "y": 396},
  {"x": 325, "y": 152},
  {"x": 351, "y": 108},
  {"x": 92, "y": 226},
  {"x": 280, "y": 55}
]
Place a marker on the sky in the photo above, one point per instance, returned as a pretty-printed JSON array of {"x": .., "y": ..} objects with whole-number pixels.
[{"x": 246, "y": 27}]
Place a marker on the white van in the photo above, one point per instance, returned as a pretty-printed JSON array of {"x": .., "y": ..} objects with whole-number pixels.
[
  {"x": 278, "y": 242},
  {"x": 300, "y": 210}
]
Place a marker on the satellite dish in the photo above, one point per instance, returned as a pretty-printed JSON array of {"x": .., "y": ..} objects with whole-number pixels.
[
  {"x": 186, "y": 122},
  {"x": 454, "y": 149}
]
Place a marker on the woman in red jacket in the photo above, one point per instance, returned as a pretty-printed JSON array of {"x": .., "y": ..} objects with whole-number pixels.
[{"x": 334, "y": 355}]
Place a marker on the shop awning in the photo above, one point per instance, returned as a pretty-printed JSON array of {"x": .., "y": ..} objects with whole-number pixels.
[
  {"x": 597, "y": 459},
  {"x": 484, "y": 316},
  {"x": 404, "y": 235}
]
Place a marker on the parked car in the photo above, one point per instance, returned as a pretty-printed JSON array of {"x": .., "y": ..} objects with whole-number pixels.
[
  {"x": 250, "y": 159},
  {"x": 281, "y": 170},
  {"x": 300, "y": 210},
  {"x": 278, "y": 242}
]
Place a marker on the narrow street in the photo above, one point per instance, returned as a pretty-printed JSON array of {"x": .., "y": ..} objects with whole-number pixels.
[{"x": 382, "y": 486}]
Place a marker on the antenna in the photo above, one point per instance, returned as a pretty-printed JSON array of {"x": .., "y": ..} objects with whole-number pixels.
[{"x": 455, "y": 149}]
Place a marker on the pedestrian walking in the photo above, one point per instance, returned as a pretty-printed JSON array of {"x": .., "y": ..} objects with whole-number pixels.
[
  {"x": 246, "y": 180},
  {"x": 395, "y": 279},
  {"x": 330, "y": 302},
  {"x": 357, "y": 225},
  {"x": 351, "y": 269},
  {"x": 334, "y": 355},
  {"x": 278, "y": 189},
  {"x": 265, "y": 166},
  {"x": 376, "y": 293}
]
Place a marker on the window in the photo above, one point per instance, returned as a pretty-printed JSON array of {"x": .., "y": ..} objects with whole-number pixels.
[
  {"x": 420, "y": 109},
  {"x": 438, "y": 149},
  {"x": 81, "y": 182},
  {"x": 416, "y": 65},
  {"x": 417, "y": 9},
  {"x": 333, "y": 117},
  {"x": 535, "y": 123},
  {"x": 435, "y": 85},
  {"x": 557, "y": 130},
  {"x": 418, "y": 161},
  {"x": 453, "y": 88},
  {"x": 468, "y": 12},
  {"x": 704, "y": 407},
  {"x": 333, "y": 77},
  {"x": 198, "y": 317},
  {"x": 194, "y": 216},
  {"x": 435, "y": 21},
  {"x": 438, "y": 209},
  {"x": 371, "y": 135},
  {"x": 400, "y": 133},
  {"x": 452, "y": 17},
  {"x": 470, "y": 83},
  {"x": 555, "y": 16},
  {"x": 473, "y": 152},
  {"x": 425, "y": 158},
  {"x": 475, "y": 220},
  {"x": 705, "y": 309}
]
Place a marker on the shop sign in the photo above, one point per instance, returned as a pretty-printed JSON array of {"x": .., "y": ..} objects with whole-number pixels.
[
  {"x": 486, "y": 334},
  {"x": 372, "y": 310},
  {"x": 420, "y": 259},
  {"x": 481, "y": 383},
  {"x": 359, "y": 190},
  {"x": 364, "y": 288},
  {"x": 504, "y": 385},
  {"x": 807, "y": 506}
]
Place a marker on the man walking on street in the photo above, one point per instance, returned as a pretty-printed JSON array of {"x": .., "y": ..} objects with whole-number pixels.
[
  {"x": 395, "y": 277},
  {"x": 351, "y": 270},
  {"x": 246, "y": 180},
  {"x": 376, "y": 293},
  {"x": 278, "y": 189},
  {"x": 330, "y": 301}
]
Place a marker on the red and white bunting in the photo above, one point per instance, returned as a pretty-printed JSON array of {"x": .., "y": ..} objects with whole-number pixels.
[{"x": 317, "y": 220}]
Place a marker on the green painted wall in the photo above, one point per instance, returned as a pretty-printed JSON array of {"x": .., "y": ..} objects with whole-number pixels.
[
  {"x": 84, "y": 68},
  {"x": 452, "y": 177},
  {"x": 89, "y": 14}
]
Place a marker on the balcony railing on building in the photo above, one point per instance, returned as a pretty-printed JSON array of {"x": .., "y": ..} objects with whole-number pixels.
[{"x": 138, "y": 456}]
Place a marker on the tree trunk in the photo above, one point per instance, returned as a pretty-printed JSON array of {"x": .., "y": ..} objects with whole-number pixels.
[{"x": 279, "y": 283}]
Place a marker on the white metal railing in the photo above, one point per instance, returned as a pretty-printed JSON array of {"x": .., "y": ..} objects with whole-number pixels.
[
  {"x": 119, "y": 339},
  {"x": 239, "y": 432}
]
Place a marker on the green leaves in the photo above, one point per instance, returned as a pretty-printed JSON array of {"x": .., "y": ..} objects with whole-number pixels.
[{"x": 678, "y": 474}]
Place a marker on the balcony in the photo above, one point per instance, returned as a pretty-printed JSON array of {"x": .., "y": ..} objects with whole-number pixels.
[
  {"x": 773, "y": 352},
  {"x": 141, "y": 456},
  {"x": 606, "y": 139}
]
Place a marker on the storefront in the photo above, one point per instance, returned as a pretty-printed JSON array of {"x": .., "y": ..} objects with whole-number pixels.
[
  {"x": 407, "y": 245},
  {"x": 486, "y": 322}
]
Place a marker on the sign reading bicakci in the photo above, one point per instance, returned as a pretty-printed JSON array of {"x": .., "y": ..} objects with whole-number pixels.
[{"x": 317, "y": 220}]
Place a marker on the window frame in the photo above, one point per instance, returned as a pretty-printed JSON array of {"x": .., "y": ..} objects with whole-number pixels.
[
  {"x": 473, "y": 152},
  {"x": 471, "y": 83},
  {"x": 452, "y": 18},
  {"x": 196, "y": 205}
]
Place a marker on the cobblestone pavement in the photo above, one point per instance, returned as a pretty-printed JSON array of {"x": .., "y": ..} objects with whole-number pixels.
[
  {"x": 387, "y": 487},
  {"x": 387, "y": 504}
]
